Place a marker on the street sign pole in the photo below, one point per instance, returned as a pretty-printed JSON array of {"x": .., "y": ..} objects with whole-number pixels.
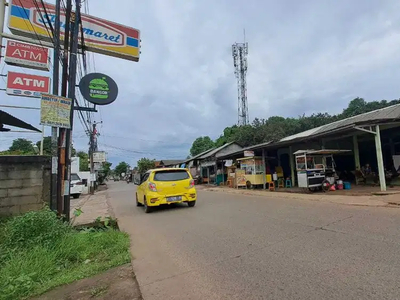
[
  {"x": 62, "y": 186},
  {"x": 56, "y": 78},
  {"x": 2, "y": 19},
  {"x": 71, "y": 94}
]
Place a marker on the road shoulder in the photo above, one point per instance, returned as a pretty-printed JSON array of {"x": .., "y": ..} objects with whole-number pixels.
[{"x": 370, "y": 201}]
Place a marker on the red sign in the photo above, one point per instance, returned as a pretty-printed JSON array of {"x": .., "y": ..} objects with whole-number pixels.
[
  {"x": 27, "y": 55},
  {"x": 27, "y": 85}
]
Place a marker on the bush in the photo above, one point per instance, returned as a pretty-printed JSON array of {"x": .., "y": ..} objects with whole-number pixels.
[
  {"x": 33, "y": 229},
  {"x": 39, "y": 252}
]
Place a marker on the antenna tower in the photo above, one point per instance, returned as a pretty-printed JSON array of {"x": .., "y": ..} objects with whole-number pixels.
[{"x": 239, "y": 53}]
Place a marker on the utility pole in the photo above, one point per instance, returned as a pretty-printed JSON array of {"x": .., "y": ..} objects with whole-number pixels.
[
  {"x": 92, "y": 149},
  {"x": 62, "y": 186},
  {"x": 56, "y": 71},
  {"x": 71, "y": 94}
]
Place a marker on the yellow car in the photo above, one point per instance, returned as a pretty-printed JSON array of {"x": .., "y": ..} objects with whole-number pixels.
[{"x": 165, "y": 186}]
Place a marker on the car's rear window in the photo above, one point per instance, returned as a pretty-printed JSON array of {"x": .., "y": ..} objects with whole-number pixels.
[
  {"x": 75, "y": 177},
  {"x": 171, "y": 175}
]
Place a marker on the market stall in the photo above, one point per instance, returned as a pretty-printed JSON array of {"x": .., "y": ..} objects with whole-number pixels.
[
  {"x": 316, "y": 167},
  {"x": 251, "y": 172}
]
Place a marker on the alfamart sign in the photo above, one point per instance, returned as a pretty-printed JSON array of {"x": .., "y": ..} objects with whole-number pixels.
[{"x": 101, "y": 36}]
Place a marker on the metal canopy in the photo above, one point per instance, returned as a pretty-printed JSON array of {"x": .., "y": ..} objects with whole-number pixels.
[
  {"x": 321, "y": 152},
  {"x": 7, "y": 119}
]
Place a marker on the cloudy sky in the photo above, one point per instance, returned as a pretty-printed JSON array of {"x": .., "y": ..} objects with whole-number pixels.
[{"x": 304, "y": 57}]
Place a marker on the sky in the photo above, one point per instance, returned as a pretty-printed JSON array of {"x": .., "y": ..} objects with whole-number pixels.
[{"x": 304, "y": 57}]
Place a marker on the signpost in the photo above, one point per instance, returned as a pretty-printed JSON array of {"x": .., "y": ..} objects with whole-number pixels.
[
  {"x": 29, "y": 21},
  {"x": 98, "y": 166},
  {"x": 101, "y": 36},
  {"x": 55, "y": 111},
  {"x": 27, "y": 55},
  {"x": 98, "y": 88},
  {"x": 27, "y": 85},
  {"x": 248, "y": 153},
  {"x": 99, "y": 157}
]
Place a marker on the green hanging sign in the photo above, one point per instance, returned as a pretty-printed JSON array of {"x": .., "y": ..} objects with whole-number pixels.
[{"x": 98, "y": 88}]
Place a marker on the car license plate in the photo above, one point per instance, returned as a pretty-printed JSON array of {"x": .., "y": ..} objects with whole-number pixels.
[{"x": 176, "y": 198}]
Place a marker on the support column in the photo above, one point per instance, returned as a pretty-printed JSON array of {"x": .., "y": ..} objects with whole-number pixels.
[
  {"x": 222, "y": 173},
  {"x": 356, "y": 153},
  {"x": 292, "y": 164},
  {"x": 379, "y": 157},
  {"x": 264, "y": 173}
]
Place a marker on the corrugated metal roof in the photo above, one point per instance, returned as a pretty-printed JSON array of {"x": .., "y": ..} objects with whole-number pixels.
[
  {"x": 198, "y": 155},
  {"x": 171, "y": 162},
  {"x": 216, "y": 150},
  {"x": 391, "y": 113},
  {"x": 258, "y": 146},
  {"x": 383, "y": 115}
]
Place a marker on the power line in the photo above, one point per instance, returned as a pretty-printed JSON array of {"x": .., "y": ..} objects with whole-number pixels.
[{"x": 136, "y": 151}]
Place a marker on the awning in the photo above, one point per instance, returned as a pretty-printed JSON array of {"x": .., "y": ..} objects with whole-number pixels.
[
  {"x": 321, "y": 152},
  {"x": 7, "y": 119}
]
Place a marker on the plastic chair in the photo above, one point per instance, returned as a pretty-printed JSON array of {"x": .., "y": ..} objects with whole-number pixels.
[
  {"x": 271, "y": 186},
  {"x": 281, "y": 183},
  {"x": 288, "y": 183}
]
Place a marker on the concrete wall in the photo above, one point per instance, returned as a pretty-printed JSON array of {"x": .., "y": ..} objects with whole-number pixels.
[{"x": 24, "y": 183}]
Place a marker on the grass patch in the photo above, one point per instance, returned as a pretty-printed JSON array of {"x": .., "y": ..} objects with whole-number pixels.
[{"x": 39, "y": 252}]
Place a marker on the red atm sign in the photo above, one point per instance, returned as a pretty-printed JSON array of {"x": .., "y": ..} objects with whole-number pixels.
[
  {"x": 27, "y": 55},
  {"x": 27, "y": 85}
]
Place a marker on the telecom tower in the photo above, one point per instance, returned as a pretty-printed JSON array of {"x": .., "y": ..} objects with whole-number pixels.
[{"x": 239, "y": 53}]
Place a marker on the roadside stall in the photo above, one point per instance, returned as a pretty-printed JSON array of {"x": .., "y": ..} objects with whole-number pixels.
[
  {"x": 316, "y": 168},
  {"x": 251, "y": 172}
]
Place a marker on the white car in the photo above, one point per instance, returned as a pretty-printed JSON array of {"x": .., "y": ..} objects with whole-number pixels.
[{"x": 76, "y": 186}]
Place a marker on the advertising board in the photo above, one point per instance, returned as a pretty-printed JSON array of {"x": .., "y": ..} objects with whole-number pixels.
[
  {"x": 55, "y": 111},
  {"x": 248, "y": 153},
  {"x": 98, "y": 88},
  {"x": 100, "y": 36},
  {"x": 27, "y": 55},
  {"x": 27, "y": 85},
  {"x": 99, "y": 157}
]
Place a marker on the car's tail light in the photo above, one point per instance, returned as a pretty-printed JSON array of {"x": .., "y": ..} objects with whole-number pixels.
[
  {"x": 152, "y": 187},
  {"x": 79, "y": 183},
  {"x": 192, "y": 183}
]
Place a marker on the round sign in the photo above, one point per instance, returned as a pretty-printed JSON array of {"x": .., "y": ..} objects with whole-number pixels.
[{"x": 98, "y": 88}]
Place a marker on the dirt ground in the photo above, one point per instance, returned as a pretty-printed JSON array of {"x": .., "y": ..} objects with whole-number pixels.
[{"x": 118, "y": 284}]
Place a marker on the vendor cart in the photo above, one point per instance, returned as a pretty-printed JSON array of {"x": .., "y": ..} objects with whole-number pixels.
[
  {"x": 250, "y": 172},
  {"x": 316, "y": 168}
]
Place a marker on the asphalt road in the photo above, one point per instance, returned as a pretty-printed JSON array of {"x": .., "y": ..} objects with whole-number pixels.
[{"x": 244, "y": 247}]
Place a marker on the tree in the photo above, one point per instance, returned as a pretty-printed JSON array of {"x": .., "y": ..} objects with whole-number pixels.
[
  {"x": 275, "y": 127},
  {"x": 46, "y": 145},
  {"x": 83, "y": 161},
  {"x": 201, "y": 144},
  {"x": 105, "y": 171},
  {"x": 122, "y": 167},
  {"x": 22, "y": 146},
  {"x": 145, "y": 164},
  {"x": 107, "y": 168}
]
